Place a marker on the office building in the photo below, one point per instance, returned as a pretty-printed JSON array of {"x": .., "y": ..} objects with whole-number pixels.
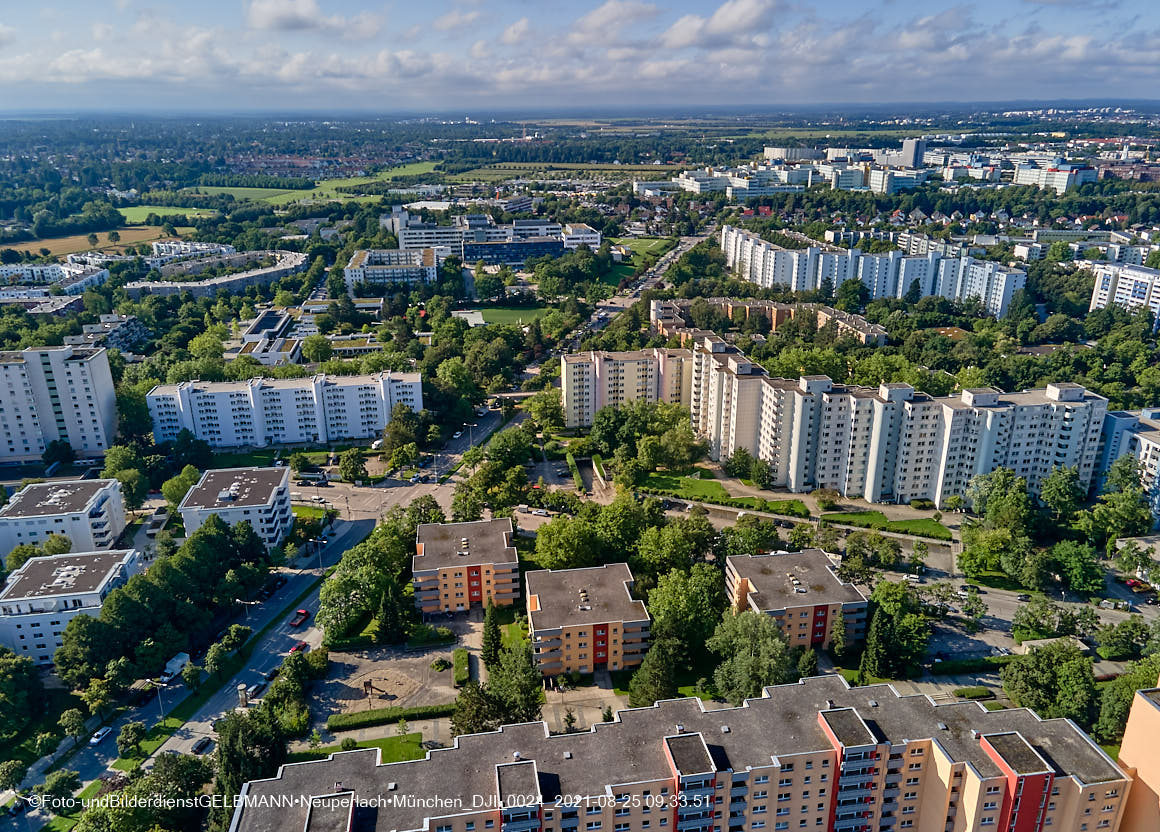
[
  {"x": 511, "y": 252},
  {"x": 45, "y": 593},
  {"x": 799, "y": 589},
  {"x": 460, "y": 566},
  {"x": 1058, "y": 176},
  {"x": 90, "y": 513},
  {"x": 258, "y": 496},
  {"x": 576, "y": 234},
  {"x": 814, "y": 755},
  {"x": 585, "y": 620},
  {"x": 382, "y": 267},
  {"x": 276, "y": 411},
  {"x": 1129, "y": 287},
  {"x": 56, "y": 393},
  {"x": 592, "y": 380}
]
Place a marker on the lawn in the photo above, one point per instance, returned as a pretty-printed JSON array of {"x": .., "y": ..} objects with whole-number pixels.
[
  {"x": 53, "y": 703},
  {"x": 391, "y": 749},
  {"x": 242, "y": 194},
  {"x": 59, "y": 246},
  {"x": 555, "y": 170},
  {"x": 687, "y": 680},
  {"x": 309, "y": 512},
  {"x": 655, "y": 246},
  {"x": 516, "y": 315},
  {"x": 921, "y": 527},
  {"x": 618, "y": 273},
  {"x": 690, "y": 488},
  {"x": 136, "y": 214}
]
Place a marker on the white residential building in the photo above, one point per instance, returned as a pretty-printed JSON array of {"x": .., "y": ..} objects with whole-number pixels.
[
  {"x": 50, "y": 393},
  {"x": 258, "y": 496},
  {"x": 1059, "y": 176},
  {"x": 576, "y": 234},
  {"x": 190, "y": 248},
  {"x": 285, "y": 263},
  {"x": 44, "y": 594},
  {"x": 384, "y": 266},
  {"x": 265, "y": 411},
  {"x": 71, "y": 278},
  {"x": 592, "y": 380},
  {"x": 91, "y": 513},
  {"x": 892, "y": 181},
  {"x": 1126, "y": 286}
]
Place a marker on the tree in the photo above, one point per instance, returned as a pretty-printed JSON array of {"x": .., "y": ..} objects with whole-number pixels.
[
  {"x": 134, "y": 487},
  {"x": 402, "y": 728},
  {"x": 876, "y": 653},
  {"x": 56, "y": 544},
  {"x": 98, "y": 696},
  {"x": 807, "y": 664},
  {"x": 1077, "y": 564},
  {"x": 352, "y": 465},
  {"x": 974, "y": 608},
  {"x": 72, "y": 722},
  {"x": 753, "y": 653},
  {"x": 1124, "y": 640},
  {"x": 606, "y": 714},
  {"x": 20, "y": 691},
  {"x": 1117, "y": 695},
  {"x": 567, "y": 543},
  {"x": 12, "y": 774},
  {"x": 130, "y": 738},
  {"x": 114, "y": 236},
  {"x": 251, "y": 746},
  {"x": 569, "y": 720},
  {"x": 516, "y": 686},
  {"x": 392, "y": 623},
  {"x": 1054, "y": 680},
  {"x": 474, "y": 711},
  {"x": 215, "y": 658},
  {"x": 175, "y": 488},
  {"x": 492, "y": 639},
  {"x": 852, "y": 295},
  {"x": 686, "y": 607},
  {"x": 654, "y": 679},
  {"x": 547, "y": 409},
  {"x": 488, "y": 286},
  {"x": 207, "y": 346},
  {"x": 316, "y": 348},
  {"x": 57, "y": 791},
  {"x": 58, "y": 451},
  {"x": 838, "y": 637},
  {"x": 298, "y": 462},
  {"x": 1062, "y": 494},
  {"x": 191, "y": 676},
  {"x": 92, "y": 238},
  {"x": 918, "y": 554}
]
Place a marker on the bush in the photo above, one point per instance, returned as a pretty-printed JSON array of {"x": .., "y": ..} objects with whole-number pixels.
[
  {"x": 426, "y": 634},
  {"x": 974, "y": 692},
  {"x": 922, "y": 503},
  {"x": 386, "y": 716},
  {"x": 983, "y": 664},
  {"x": 440, "y": 664},
  {"x": 575, "y": 469},
  {"x": 462, "y": 663}
]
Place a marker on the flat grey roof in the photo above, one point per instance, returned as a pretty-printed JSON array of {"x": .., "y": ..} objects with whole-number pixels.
[
  {"x": 629, "y": 750},
  {"x": 577, "y": 597},
  {"x": 234, "y": 487},
  {"x": 690, "y": 754},
  {"x": 792, "y": 579},
  {"x": 1017, "y": 753},
  {"x": 848, "y": 727},
  {"x": 68, "y": 574},
  {"x": 439, "y": 545},
  {"x": 45, "y": 499}
]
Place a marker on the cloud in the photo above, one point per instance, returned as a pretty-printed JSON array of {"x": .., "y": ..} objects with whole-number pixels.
[
  {"x": 606, "y": 21},
  {"x": 7, "y": 34},
  {"x": 733, "y": 19},
  {"x": 455, "y": 19},
  {"x": 305, "y": 15},
  {"x": 103, "y": 31},
  {"x": 516, "y": 32}
]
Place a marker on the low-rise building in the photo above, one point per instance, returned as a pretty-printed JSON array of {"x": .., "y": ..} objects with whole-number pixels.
[
  {"x": 45, "y": 593},
  {"x": 258, "y": 496},
  {"x": 123, "y": 332},
  {"x": 381, "y": 267},
  {"x": 90, "y": 513},
  {"x": 460, "y": 566},
  {"x": 801, "y": 590},
  {"x": 584, "y": 620},
  {"x": 578, "y": 234},
  {"x": 285, "y": 263}
]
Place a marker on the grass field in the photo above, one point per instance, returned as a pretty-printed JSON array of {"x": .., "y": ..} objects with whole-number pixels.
[
  {"x": 392, "y": 749},
  {"x": 136, "y": 214},
  {"x": 922, "y": 526},
  {"x": 691, "y": 488},
  {"x": 645, "y": 245},
  {"x": 245, "y": 193},
  {"x": 59, "y": 246},
  {"x": 326, "y": 189},
  {"x": 561, "y": 170},
  {"x": 512, "y": 314}
]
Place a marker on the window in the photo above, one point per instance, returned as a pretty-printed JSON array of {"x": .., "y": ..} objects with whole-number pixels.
[{"x": 987, "y": 820}]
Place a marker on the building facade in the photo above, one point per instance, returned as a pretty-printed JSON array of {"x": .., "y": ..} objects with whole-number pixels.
[
  {"x": 585, "y": 620},
  {"x": 258, "y": 496},
  {"x": 56, "y": 393},
  {"x": 592, "y": 380},
  {"x": 801, "y": 591},
  {"x": 461, "y": 566},
  {"x": 1129, "y": 287},
  {"x": 380, "y": 267},
  {"x": 91, "y": 513},
  {"x": 285, "y": 263},
  {"x": 811, "y": 755},
  {"x": 267, "y": 411},
  {"x": 45, "y": 593}
]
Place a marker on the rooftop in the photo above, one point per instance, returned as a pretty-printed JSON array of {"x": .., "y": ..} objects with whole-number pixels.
[
  {"x": 629, "y": 750},
  {"x": 848, "y": 727},
  {"x": 1017, "y": 753},
  {"x": 792, "y": 579},
  {"x": 439, "y": 545},
  {"x": 690, "y": 754},
  {"x": 234, "y": 487},
  {"x": 578, "y": 597},
  {"x": 71, "y": 574},
  {"x": 45, "y": 499}
]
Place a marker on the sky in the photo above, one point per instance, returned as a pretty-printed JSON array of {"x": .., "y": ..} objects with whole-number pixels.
[{"x": 445, "y": 56}]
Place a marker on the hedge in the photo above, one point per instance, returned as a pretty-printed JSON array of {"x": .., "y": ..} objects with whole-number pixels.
[
  {"x": 786, "y": 508},
  {"x": 461, "y": 661},
  {"x": 984, "y": 664},
  {"x": 576, "y": 478},
  {"x": 974, "y": 692},
  {"x": 386, "y": 716}
]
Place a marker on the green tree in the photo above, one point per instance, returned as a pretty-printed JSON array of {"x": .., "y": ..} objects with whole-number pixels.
[
  {"x": 654, "y": 680},
  {"x": 1055, "y": 680},
  {"x": 299, "y": 462},
  {"x": 251, "y": 746},
  {"x": 134, "y": 487},
  {"x": 316, "y": 349},
  {"x": 215, "y": 658},
  {"x": 352, "y": 465},
  {"x": 392, "y": 621},
  {"x": 1062, "y": 494},
  {"x": 191, "y": 676},
  {"x": 838, "y": 637},
  {"x": 547, "y": 409},
  {"x": 1078, "y": 566},
  {"x": 1117, "y": 695},
  {"x": 56, "y": 544},
  {"x": 686, "y": 607},
  {"x": 807, "y": 664},
  {"x": 58, "y": 451},
  {"x": 98, "y": 696},
  {"x": 130, "y": 738},
  {"x": 475, "y": 711},
  {"x": 72, "y": 722},
  {"x": 21, "y": 690},
  {"x": 516, "y": 686},
  {"x": 753, "y": 653},
  {"x": 175, "y": 488},
  {"x": 492, "y": 639},
  {"x": 12, "y": 774},
  {"x": 876, "y": 659},
  {"x": 58, "y": 789}
]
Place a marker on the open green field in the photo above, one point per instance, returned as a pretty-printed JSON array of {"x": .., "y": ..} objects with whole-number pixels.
[
  {"x": 136, "y": 214},
  {"x": 691, "y": 488},
  {"x": 513, "y": 314},
  {"x": 921, "y": 526},
  {"x": 392, "y": 750},
  {"x": 645, "y": 245},
  {"x": 555, "y": 170},
  {"x": 245, "y": 193},
  {"x": 326, "y": 189}
]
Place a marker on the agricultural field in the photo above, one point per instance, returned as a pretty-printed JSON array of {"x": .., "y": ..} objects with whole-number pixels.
[
  {"x": 326, "y": 189},
  {"x": 60, "y": 246},
  {"x": 136, "y": 214},
  {"x": 555, "y": 170}
]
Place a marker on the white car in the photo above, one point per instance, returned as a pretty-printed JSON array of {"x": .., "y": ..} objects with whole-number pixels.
[
  {"x": 457, "y": 434},
  {"x": 100, "y": 735},
  {"x": 541, "y": 513}
]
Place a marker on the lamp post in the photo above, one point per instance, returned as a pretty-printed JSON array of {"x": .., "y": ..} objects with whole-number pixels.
[
  {"x": 247, "y": 605},
  {"x": 160, "y": 703}
]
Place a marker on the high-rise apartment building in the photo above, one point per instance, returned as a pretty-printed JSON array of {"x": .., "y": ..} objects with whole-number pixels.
[
  {"x": 592, "y": 380},
  {"x": 461, "y": 566},
  {"x": 90, "y": 513},
  {"x": 266, "y": 411},
  {"x": 1058, "y": 177},
  {"x": 258, "y": 496},
  {"x": 1139, "y": 757},
  {"x": 1135, "y": 434},
  {"x": 56, "y": 393},
  {"x": 382, "y": 267},
  {"x": 1126, "y": 286},
  {"x": 890, "y": 443},
  {"x": 814, "y": 755}
]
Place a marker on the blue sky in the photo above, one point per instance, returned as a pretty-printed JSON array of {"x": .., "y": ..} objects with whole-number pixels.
[{"x": 475, "y": 55}]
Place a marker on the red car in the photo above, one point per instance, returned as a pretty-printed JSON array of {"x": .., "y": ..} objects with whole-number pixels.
[
  {"x": 299, "y": 618},
  {"x": 300, "y": 647}
]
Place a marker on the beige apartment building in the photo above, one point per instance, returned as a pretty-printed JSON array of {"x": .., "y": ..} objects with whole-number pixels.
[
  {"x": 460, "y": 566},
  {"x": 799, "y": 589},
  {"x": 814, "y": 755},
  {"x": 585, "y": 620},
  {"x": 592, "y": 380},
  {"x": 1140, "y": 757}
]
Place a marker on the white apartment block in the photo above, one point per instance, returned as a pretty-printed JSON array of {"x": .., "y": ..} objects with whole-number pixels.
[
  {"x": 44, "y": 594},
  {"x": 50, "y": 393},
  {"x": 576, "y": 234},
  {"x": 385, "y": 266},
  {"x": 91, "y": 513},
  {"x": 258, "y": 496},
  {"x": 891, "y": 443},
  {"x": 887, "y": 275},
  {"x": 892, "y": 181},
  {"x": 1059, "y": 177},
  {"x": 592, "y": 380},
  {"x": 266, "y": 411},
  {"x": 1135, "y": 434},
  {"x": 190, "y": 248},
  {"x": 72, "y": 278},
  {"x": 1126, "y": 286}
]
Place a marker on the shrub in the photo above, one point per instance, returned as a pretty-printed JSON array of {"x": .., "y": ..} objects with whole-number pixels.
[
  {"x": 974, "y": 692},
  {"x": 440, "y": 664},
  {"x": 786, "y": 508},
  {"x": 575, "y": 469},
  {"x": 979, "y": 665},
  {"x": 386, "y": 716},
  {"x": 426, "y": 634},
  {"x": 922, "y": 503},
  {"x": 462, "y": 664}
]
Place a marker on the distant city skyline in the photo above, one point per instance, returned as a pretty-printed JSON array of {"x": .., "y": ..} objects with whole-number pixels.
[{"x": 319, "y": 55}]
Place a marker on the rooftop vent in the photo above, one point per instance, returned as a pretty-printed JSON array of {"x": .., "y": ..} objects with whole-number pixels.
[
  {"x": 584, "y": 607},
  {"x": 724, "y": 729},
  {"x": 567, "y": 755},
  {"x": 873, "y": 703},
  {"x": 392, "y": 786},
  {"x": 515, "y": 755},
  {"x": 974, "y": 734},
  {"x": 680, "y": 728},
  {"x": 829, "y": 703},
  {"x": 942, "y": 726}
]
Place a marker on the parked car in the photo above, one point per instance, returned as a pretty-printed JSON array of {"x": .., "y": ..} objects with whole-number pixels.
[
  {"x": 457, "y": 434},
  {"x": 414, "y": 478},
  {"x": 300, "y": 647},
  {"x": 99, "y": 737},
  {"x": 254, "y": 689},
  {"x": 271, "y": 674},
  {"x": 542, "y": 513},
  {"x": 202, "y": 745},
  {"x": 299, "y": 618},
  {"x": 1022, "y": 596}
]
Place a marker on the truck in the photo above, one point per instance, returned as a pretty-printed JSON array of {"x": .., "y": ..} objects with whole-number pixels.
[
  {"x": 174, "y": 666},
  {"x": 299, "y": 618}
]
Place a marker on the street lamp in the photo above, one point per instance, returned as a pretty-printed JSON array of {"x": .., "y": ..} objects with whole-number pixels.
[
  {"x": 160, "y": 703},
  {"x": 247, "y": 605},
  {"x": 318, "y": 544}
]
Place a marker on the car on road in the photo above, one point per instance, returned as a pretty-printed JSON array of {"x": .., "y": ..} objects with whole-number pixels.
[
  {"x": 1022, "y": 596},
  {"x": 318, "y": 498},
  {"x": 424, "y": 477},
  {"x": 299, "y": 618},
  {"x": 300, "y": 647},
  {"x": 542, "y": 513},
  {"x": 202, "y": 745},
  {"x": 255, "y": 689},
  {"x": 414, "y": 478},
  {"x": 99, "y": 737},
  {"x": 457, "y": 434},
  {"x": 271, "y": 674}
]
